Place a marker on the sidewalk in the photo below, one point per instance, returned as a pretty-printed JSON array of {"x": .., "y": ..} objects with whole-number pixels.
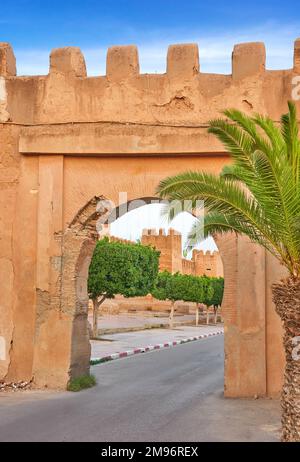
[
  {"x": 137, "y": 342},
  {"x": 110, "y": 323},
  {"x": 115, "y": 323}
]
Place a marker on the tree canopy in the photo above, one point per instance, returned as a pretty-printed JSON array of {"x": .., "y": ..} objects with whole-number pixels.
[
  {"x": 214, "y": 293},
  {"x": 122, "y": 268},
  {"x": 185, "y": 287}
]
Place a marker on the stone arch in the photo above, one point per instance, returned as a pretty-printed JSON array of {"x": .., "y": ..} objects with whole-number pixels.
[{"x": 78, "y": 243}]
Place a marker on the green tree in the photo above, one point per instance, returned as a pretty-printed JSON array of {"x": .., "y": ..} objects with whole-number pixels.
[
  {"x": 175, "y": 287},
  {"x": 258, "y": 195},
  {"x": 124, "y": 269},
  {"x": 218, "y": 285},
  {"x": 214, "y": 296}
]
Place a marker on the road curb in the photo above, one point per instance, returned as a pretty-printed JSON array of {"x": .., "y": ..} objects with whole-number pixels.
[{"x": 158, "y": 346}]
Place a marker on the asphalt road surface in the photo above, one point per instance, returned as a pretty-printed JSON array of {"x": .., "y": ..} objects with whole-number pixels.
[{"x": 171, "y": 394}]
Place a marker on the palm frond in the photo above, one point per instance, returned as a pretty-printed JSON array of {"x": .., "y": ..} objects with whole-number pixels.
[
  {"x": 248, "y": 126},
  {"x": 220, "y": 195},
  {"x": 259, "y": 194},
  {"x": 290, "y": 132},
  {"x": 215, "y": 223}
]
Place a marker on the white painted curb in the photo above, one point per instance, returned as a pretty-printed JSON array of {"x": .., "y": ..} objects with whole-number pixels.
[{"x": 124, "y": 354}]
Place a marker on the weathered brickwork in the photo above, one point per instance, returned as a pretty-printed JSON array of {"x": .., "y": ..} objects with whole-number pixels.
[{"x": 66, "y": 138}]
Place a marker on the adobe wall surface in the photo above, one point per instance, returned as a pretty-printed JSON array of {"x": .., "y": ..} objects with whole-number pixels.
[{"x": 65, "y": 139}]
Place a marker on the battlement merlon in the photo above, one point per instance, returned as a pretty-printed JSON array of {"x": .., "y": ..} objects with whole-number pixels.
[
  {"x": 161, "y": 232},
  {"x": 297, "y": 55},
  {"x": 122, "y": 62},
  {"x": 248, "y": 59},
  {"x": 68, "y": 60},
  {"x": 7, "y": 61}
]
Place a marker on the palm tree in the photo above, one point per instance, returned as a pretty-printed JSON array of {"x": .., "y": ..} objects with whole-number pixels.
[{"x": 257, "y": 195}]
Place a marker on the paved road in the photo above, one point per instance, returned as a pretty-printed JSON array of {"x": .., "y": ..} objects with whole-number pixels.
[{"x": 167, "y": 395}]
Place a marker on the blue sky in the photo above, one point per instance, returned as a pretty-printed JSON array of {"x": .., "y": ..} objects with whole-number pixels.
[{"x": 34, "y": 27}]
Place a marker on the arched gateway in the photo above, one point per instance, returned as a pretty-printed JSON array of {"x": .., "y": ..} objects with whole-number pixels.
[{"x": 67, "y": 140}]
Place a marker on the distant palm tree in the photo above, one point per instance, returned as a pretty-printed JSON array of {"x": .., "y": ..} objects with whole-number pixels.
[{"x": 258, "y": 195}]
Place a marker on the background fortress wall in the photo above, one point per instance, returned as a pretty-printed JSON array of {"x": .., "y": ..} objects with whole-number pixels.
[
  {"x": 66, "y": 137},
  {"x": 170, "y": 246}
]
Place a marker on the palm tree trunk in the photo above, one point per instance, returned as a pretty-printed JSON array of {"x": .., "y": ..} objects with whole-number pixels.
[{"x": 286, "y": 297}]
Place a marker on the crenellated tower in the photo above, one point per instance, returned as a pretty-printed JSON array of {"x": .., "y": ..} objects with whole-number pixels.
[{"x": 169, "y": 245}]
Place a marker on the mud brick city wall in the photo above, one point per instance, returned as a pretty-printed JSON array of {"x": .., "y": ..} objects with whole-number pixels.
[{"x": 66, "y": 138}]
